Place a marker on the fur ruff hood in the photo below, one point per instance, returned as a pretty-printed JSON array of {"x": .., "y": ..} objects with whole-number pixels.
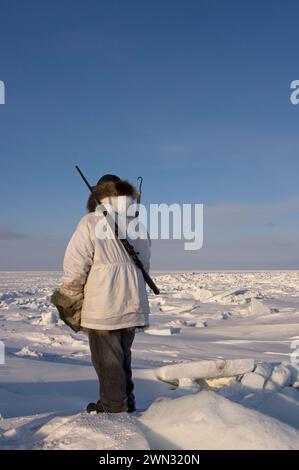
[{"x": 108, "y": 190}]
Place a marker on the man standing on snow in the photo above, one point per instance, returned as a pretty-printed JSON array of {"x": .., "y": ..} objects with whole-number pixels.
[{"x": 115, "y": 302}]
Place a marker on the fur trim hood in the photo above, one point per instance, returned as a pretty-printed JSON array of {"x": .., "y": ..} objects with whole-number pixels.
[{"x": 110, "y": 189}]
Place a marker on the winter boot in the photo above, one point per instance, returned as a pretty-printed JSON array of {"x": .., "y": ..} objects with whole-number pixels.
[
  {"x": 91, "y": 407},
  {"x": 98, "y": 407},
  {"x": 132, "y": 407}
]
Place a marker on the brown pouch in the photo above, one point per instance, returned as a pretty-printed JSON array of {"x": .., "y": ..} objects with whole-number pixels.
[{"x": 69, "y": 307}]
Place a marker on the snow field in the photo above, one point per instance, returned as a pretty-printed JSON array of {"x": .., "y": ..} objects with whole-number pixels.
[{"x": 199, "y": 324}]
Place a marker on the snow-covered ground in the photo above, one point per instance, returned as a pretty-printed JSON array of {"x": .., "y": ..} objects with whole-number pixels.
[{"x": 47, "y": 378}]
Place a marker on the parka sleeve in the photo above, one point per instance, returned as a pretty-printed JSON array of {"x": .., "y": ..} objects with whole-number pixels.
[{"x": 78, "y": 258}]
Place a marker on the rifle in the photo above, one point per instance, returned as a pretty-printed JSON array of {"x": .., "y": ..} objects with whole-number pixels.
[{"x": 125, "y": 243}]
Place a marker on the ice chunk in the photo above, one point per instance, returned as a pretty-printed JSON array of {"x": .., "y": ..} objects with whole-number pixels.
[
  {"x": 201, "y": 324},
  {"x": 264, "y": 369},
  {"x": 253, "y": 380},
  {"x": 280, "y": 377},
  {"x": 231, "y": 296},
  {"x": 188, "y": 323},
  {"x": 259, "y": 308},
  {"x": 27, "y": 352},
  {"x": 205, "y": 369},
  {"x": 189, "y": 383},
  {"x": 237, "y": 367},
  {"x": 204, "y": 294},
  {"x": 163, "y": 331},
  {"x": 294, "y": 368},
  {"x": 223, "y": 315}
]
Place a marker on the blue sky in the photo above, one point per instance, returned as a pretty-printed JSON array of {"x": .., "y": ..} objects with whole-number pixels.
[{"x": 193, "y": 95}]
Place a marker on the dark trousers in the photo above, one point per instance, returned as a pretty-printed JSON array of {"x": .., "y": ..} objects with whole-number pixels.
[{"x": 111, "y": 358}]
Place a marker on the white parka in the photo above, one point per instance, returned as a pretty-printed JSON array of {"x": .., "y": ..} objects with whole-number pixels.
[{"x": 114, "y": 289}]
